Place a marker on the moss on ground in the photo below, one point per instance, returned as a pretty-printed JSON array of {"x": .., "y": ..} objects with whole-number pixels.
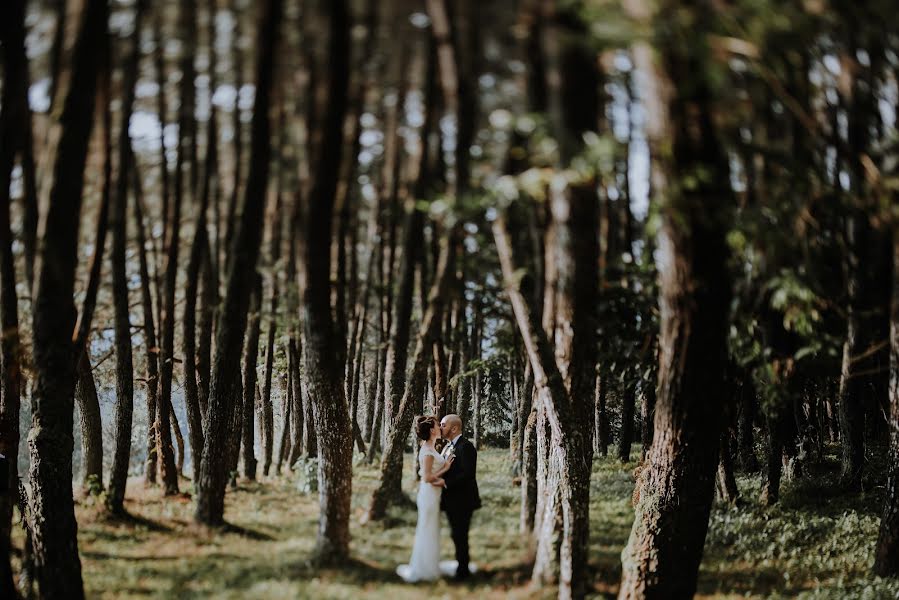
[{"x": 812, "y": 545}]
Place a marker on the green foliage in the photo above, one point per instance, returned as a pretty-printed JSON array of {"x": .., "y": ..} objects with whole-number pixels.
[{"x": 629, "y": 325}]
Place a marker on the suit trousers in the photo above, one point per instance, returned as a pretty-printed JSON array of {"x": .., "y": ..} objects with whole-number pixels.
[{"x": 460, "y": 522}]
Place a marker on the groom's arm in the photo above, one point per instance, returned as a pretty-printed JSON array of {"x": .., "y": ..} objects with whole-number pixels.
[{"x": 464, "y": 466}]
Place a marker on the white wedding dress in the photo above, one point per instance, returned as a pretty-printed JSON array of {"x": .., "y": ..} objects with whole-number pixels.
[{"x": 424, "y": 565}]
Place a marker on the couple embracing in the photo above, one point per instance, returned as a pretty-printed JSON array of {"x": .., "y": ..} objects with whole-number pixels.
[{"x": 448, "y": 483}]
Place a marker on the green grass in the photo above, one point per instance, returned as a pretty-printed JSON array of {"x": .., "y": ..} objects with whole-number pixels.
[{"x": 812, "y": 545}]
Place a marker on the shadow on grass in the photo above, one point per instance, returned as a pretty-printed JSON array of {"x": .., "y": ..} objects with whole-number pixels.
[
  {"x": 246, "y": 532},
  {"x": 132, "y": 520}
]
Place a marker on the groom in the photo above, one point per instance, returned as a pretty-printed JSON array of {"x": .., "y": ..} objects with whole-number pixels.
[{"x": 460, "y": 498}]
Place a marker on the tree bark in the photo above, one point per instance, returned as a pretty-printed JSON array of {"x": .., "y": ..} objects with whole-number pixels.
[
  {"x": 564, "y": 475},
  {"x": 14, "y": 118},
  {"x": 647, "y": 415},
  {"x": 86, "y": 390},
  {"x": 389, "y": 489},
  {"x": 266, "y": 415},
  {"x": 51, "y": 507},
  {"x": 663, "y": 554},
  {"x": 251, "y": 385},
  {"x": 193, "y": 361},
  {"x": 398, "y": 349},
  {"x": 323, "y": 368},
  {"x": 725, "y": 482},
  {"x": 118, "y": 222},
  {"x": 225, "y": 384},
  {"x": 746, "y": 425},
  {"x": 626, "y": 434},
  {"x": 297, "y": 421},
  {"x": 886, "y": 553},
  {"x": 152, "y": 351}
]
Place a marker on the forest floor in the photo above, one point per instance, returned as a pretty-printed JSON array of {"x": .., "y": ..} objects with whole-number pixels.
[{"x": 811, "y": 545}]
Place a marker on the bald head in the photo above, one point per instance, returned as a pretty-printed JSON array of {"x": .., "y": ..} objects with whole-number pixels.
[{"x": 450, "y": 426}]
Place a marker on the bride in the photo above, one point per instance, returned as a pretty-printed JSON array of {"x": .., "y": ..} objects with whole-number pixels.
[{"x": 424, "y": 565}]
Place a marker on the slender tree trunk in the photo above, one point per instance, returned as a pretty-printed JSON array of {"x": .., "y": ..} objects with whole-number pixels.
[
  {"x": 266, "y": 416},
  {"x": 886, "y": 553},
  {"x": 725, "y": 482},
  {"x": 252, "y": 400},
  {"x": 231, "y": 218},
  {"x": 647, "y": 415},
  {"x": 746, "y": 425},
  {"x": 389, "y": 489},
  {"x": 164, "y": 184},
  {"x": 118, "y": 222},
  {"x": 601, "y": 417},
  {"x": 20, "y": 136},
  {"x": 91, "y": 427},
  {"x": 529, "y": 475},
  {"x": 224, "y": 396},
  {"x": 152, "y": 351},
  {"x": 209, "y": 271},
  {"x": 14, "y": 117},
  {"x": 191, "y": 359},
  {"x": 398, "y": 349},
  {"x": 563, "y": 479},
  {"x": 376, "y": 410},
  {"x": 781, "y": 434},
  {"x": 626, "y": 435},
  {"x": 297, "y": 421},
  {"x": 86, "y": 390},
  {"x": 323, "y": 368},
  {"x": 286, "y": 404},
  {"x": 51, "y": 508}
]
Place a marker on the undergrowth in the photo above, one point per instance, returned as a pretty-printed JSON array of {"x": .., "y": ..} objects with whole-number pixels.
[{"x": 814, "y": 544}]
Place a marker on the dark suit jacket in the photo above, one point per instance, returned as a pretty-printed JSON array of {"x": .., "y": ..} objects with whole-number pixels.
[{"x": 461, "y": 493}]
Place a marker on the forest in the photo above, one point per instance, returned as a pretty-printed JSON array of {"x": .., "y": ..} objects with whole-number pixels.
[{"x": 646, "y": 250}]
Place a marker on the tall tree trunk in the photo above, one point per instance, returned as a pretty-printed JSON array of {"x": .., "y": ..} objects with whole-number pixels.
[
  {"x": 529, "y": 474},
  {"x": 168, "y": 471},
  {"x": 781, "y": 436},
  {"x": 565, "y": 475},
  {"x": 266, "y": 416},
  {"x": 194, "y": 366},
  {"x": 323, "y": 368},
  {"x": 14, "y": 117},
  {"x": 164, "y": 183},
  {"x": 286, "y": 405},
  {"x": 118, "y": 222},
  {"x": 297, "y": 422},
  {"x": 601, "y": 416},
  {"x": 224, "y": 393},
  {"x": 51, "y": 507},
  {"x": 665, "y": 547},
  {"x": 864, "y": 374},
  {"x": 398, "y": 349},
  {"x": 886, "y": 553},
  {"x": 231, "y": 217},
  {"x": 389, "y": 489},
  {"x": 252, "y": 400},
  {"x": 86, "y": 390},
  {"x": 209, "y": 271},
  {"x": 19, "y": 136},
  {"x": 152, "y": 351},
  {"x": 91, "y": 426}
]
